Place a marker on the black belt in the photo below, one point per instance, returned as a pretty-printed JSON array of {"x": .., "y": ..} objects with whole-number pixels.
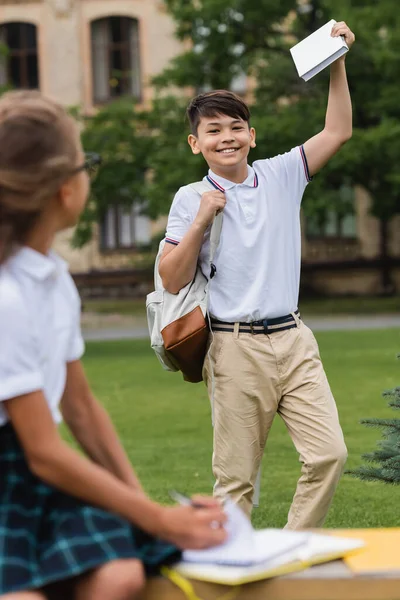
[{"x": 265, "y": 326}]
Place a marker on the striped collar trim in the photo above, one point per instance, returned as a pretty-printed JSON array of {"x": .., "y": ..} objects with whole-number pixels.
[
  {"x": 215, "y": 184},
  {"x": 218, "y": 186}
]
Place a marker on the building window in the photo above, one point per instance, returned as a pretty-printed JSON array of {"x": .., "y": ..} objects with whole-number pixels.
[
  {"x": 124, "y": 227},
  {"x": 338, "y": 221},
  {"x": 19, "y": 68},
  {"x": 115, "y": 58},
  {"x": 331, "y": 225}
]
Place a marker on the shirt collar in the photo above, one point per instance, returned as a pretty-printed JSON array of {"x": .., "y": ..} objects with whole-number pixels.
[
  {"x": 224, "y": 184},
  {"x": 37, "y": 265}
]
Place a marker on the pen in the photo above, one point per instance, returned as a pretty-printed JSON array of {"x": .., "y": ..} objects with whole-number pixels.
[
  {"x": 186, "y": 501},
  {"x": 182, "y": 499}
]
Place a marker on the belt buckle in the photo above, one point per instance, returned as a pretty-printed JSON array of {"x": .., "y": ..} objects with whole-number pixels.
[{"x": 251, "y": 328}]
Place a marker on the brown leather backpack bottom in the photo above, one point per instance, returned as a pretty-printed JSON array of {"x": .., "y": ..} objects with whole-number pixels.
[{"x": 186, "y": 339}]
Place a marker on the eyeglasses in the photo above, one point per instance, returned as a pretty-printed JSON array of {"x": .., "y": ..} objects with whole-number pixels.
[{"x": 91, "y": 164}]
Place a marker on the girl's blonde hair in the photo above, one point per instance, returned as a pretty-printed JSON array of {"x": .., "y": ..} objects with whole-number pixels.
[{"x": 38, "y": 152}]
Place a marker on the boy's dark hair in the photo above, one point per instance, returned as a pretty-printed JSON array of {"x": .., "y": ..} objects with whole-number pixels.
[{"x": 217, "y": 102}]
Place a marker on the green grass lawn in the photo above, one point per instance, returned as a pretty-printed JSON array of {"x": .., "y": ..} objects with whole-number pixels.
[{"x": 165, "y": 424}]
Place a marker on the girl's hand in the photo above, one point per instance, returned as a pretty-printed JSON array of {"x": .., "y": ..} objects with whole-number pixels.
[
  {"x": 211, "y": 203},
  {"x": 341, "y": 28},
  {"x": 194, "y": 527}
]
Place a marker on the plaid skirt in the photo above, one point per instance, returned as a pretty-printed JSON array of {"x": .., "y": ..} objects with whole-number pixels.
[{"x": 47, "y": 536}]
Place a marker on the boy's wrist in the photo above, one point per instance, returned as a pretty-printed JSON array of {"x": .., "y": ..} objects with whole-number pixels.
[
  {"x": 338, "y": 68},
  {"x": 338, "y": 62},
  {"x": 199, "y": 225}
]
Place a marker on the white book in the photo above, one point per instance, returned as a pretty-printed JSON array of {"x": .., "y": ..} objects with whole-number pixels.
[
  {"x": 250, "y": 555},
  {"x": 318, "y": 51}
]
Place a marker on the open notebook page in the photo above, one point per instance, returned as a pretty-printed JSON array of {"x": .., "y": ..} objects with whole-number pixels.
[
  {"x": 318, "y": 549},
  {"x": 246, "y": 546}
]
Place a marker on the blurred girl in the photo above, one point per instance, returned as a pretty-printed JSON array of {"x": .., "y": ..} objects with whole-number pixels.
[{"x": 67, "y": 522}]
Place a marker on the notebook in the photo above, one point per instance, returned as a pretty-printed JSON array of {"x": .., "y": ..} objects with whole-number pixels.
[
  {"x": 249, "y": 554},
  {"x": 246, "y": 546},
  {"x": 317, "y": 51}
]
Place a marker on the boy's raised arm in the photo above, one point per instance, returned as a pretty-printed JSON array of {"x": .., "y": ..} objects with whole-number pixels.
[{"x": 338, "y": 121}]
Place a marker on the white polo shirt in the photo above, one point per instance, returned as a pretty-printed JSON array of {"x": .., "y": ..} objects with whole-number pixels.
[
  {"x": 39, "y": 327},
  {"x": 259, "y": 254}
]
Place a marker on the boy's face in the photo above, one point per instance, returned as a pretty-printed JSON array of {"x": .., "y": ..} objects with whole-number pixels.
[{"x": 224, "y": 142}]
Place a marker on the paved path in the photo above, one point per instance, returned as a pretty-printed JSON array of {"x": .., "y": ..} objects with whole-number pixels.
[{"x": 316, "y": 323}]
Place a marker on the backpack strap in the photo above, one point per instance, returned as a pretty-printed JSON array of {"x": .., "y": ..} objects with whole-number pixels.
[{"x": 201, "y": 187}]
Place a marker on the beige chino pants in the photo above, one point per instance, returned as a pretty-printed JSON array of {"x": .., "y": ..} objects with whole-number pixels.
[{"x": 255, "y": 377}]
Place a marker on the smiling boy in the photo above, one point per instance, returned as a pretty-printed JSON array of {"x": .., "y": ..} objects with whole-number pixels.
[{"x": 265, "y": 360}]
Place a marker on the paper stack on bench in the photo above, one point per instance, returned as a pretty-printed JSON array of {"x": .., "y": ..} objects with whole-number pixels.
[{"x": 250, "y": 555}]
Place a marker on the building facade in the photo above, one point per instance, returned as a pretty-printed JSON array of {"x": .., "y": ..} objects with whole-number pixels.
[{"x": 87, "y": 52}]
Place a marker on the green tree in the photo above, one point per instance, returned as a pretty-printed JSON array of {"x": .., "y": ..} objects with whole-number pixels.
[
  {"x": 118, "y": 133},
  {"x": 254, "y": 36},
  {"x": 226, "y": 38},
  {"x": 172, "y": 163},
  {"x": 3, "y": 60},
  {"x": 372, "y": 156},
  {"x": 384, "y": 462}
]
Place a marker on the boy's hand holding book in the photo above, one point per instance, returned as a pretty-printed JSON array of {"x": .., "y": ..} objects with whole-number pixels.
[
  {"x": 341, "y": 29},
  {"x": 321, "y": 48}
]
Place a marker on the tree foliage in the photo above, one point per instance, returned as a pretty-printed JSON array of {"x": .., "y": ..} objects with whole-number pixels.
[
  {"x": 223, "y": 40},
  {"x": 118, "y": 133},
  {"x": 3, "y": 58},
  {"x": 384, "y": 462},
  {"x": 226, "y": 38},
  {"x": 254, "y": 37}
]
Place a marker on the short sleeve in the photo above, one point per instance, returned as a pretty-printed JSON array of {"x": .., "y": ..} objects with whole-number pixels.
[
  {"x": 76, "y": 347},
  {"x": 291, "y": 169},
  {"x": 179, "y": 220},
  {"x": 19, "y": 353}
]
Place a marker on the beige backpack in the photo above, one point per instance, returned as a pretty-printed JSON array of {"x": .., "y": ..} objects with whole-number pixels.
[{"x": 178, "y": 323}]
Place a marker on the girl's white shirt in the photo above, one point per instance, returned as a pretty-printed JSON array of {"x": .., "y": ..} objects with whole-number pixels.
[{"x": 39, "y": 327}]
